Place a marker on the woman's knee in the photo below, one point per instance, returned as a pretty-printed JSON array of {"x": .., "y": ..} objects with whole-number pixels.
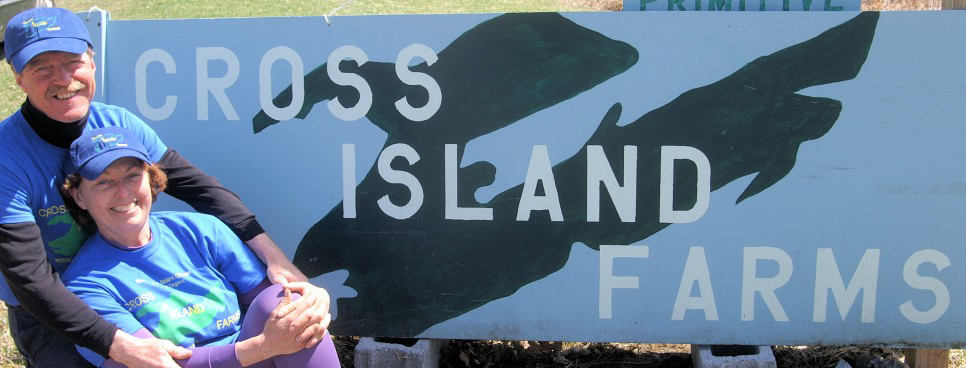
[{"x": 268, "y": 299}]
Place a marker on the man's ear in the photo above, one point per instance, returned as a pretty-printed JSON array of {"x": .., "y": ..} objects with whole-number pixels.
[
  {"x": 89, "y": 55},
  {"x": 19, "y": 78}
]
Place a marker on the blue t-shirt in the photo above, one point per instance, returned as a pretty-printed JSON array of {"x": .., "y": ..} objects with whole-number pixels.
[
  {"x": 182, "y": 286},
  {"x": 31, "y": 170}
]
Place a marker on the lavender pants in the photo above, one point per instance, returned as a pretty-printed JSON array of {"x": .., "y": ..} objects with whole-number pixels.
[{"x": 322, "y": 354}]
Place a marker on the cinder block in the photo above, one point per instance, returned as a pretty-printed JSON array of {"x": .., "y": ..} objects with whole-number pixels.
[
  {"x": 424, "y": 353},
  {"x": 732, "y": 356}
]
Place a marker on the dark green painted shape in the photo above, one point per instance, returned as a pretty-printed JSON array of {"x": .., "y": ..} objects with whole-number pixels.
[
  {"x": 493, "y": 75},
  {"x": 412, "y": 274}
]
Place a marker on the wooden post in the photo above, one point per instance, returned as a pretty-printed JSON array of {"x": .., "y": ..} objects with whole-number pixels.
[
  {"x": 927, "y": 358},
  {"x": 954, "y": 4}
]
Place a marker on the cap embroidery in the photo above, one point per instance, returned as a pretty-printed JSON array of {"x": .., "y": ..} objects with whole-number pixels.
[
  {"x": 34, "y": 27},
  {"x": 106, "y": 140}
]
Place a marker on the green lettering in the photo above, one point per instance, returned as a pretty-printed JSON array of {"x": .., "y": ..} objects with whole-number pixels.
[
  {"x": 644, "y": 3},
  {"x": 741, "y": 5},
  {"x": 671, "y": 3},
  {"x": 697, "y": 5},
  {"x": 719, "y": 4},
  {"x": 829, "y": 7},
  {"x": 761, "y": 5},
  {"x": 806, "y": 5},
  {"x": 785, "y": 5}
]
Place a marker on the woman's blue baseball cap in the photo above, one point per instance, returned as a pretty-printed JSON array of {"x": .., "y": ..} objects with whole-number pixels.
[
  {"x": 39, "y": 30},
  {"x": 96, "y": 149}
]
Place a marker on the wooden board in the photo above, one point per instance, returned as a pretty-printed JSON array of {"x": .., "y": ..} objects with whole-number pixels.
[{"x": 927, "y": 358}]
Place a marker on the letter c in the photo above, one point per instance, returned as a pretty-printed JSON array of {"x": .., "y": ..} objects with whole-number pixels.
[{"x": 141, "y": 84}]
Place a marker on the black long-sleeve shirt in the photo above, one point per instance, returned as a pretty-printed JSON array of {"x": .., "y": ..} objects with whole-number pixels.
[{"x": 23, "y": 259}]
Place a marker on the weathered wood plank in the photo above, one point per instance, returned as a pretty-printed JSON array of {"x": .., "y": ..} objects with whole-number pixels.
[{"x": 927, "y": 358}]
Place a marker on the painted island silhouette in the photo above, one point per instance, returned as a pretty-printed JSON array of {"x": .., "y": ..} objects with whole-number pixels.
[{"x": 413, "y": 273}]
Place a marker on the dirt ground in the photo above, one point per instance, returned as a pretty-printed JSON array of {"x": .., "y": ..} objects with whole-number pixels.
[
  {"x": 482, "y": 354},
  {"x": 866, "y": 4}
]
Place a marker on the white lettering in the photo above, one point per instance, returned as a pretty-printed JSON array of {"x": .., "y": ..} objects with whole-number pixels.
[
  {"x": 141, "y": 84},
  {"x": 228, "y": 321},
  {"x": 911, "y": 275},
  {"x": 539, "y": 171},
  {"x": 349, "y": 181},
  {"x": 407, "y": 54},
  {"x": 751, "y": 284},
  {"x": 609, "y": 282},
  {"x": 828, "y": 278},
  {"x": 265, "y": 83},
  {"x": 695, "y": 270},
  {"x": 216, "y": 86},
  {"x": 400, "y": 177},
  {"x": 598, "y": 171},
  {"x": 703, "y": 196},
  {"x": 348, "y": 79},
  {"x": 453, "y": 211}
]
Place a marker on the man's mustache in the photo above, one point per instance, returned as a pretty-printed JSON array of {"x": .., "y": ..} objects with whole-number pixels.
[{"x": 74, "y": 86}]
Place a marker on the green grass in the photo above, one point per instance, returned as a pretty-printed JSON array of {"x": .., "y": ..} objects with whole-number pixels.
[
  {"x": 9, "y": 357},
  {"x": 126, "y": 9},
  {"x": 11, "y": 97}
]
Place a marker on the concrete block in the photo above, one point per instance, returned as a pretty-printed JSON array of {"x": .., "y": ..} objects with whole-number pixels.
[
  {"x": 843, "y": 364},
  {"x": 732, "y": 356},
  {"x": 397, "y": 353}
]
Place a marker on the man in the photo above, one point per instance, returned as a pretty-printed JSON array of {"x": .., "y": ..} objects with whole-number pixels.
[{"x": 49, "y": 50}]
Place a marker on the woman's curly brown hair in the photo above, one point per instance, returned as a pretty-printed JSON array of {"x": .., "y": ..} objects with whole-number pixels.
[{"x": 158, "y": 182}]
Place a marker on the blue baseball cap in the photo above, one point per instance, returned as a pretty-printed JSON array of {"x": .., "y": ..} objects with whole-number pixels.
[
  {"x": 95, "y": 150},
  {"x": 39, "y": 30}
]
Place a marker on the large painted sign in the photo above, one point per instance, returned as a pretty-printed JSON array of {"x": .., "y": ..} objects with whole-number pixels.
[{"x": 780, "y": 178}]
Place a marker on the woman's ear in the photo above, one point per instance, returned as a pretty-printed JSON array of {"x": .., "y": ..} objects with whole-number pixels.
[{"x": 78, "y": 198}]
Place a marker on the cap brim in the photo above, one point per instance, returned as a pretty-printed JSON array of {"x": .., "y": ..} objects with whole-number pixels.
[
  {"x": 94, "y": 167},
  {"x": 71, "y": 45}
]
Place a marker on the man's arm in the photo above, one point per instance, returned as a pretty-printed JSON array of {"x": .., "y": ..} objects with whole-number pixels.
[
  {"x": 146, "y": 351},
  {"x": 39, "y": 290},
  {"x": 205, "y": 194},
  {"x": 279, "y": 269}
]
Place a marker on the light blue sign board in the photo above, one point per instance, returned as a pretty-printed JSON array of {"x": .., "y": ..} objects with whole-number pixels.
[
  {"x": 742, "y": 5},
  {"x": 96, "y": 22},
  {"x": 849, "y": 230}
]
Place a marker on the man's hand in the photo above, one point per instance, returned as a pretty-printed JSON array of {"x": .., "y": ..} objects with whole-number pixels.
[
  {"x": 152, "y": 353},
  {"x": 309, "y": 315},
  {"x": 280, "y": 269}
]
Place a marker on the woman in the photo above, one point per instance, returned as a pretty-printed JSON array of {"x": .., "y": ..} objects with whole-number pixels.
[{"x": 182, "y": 277}]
